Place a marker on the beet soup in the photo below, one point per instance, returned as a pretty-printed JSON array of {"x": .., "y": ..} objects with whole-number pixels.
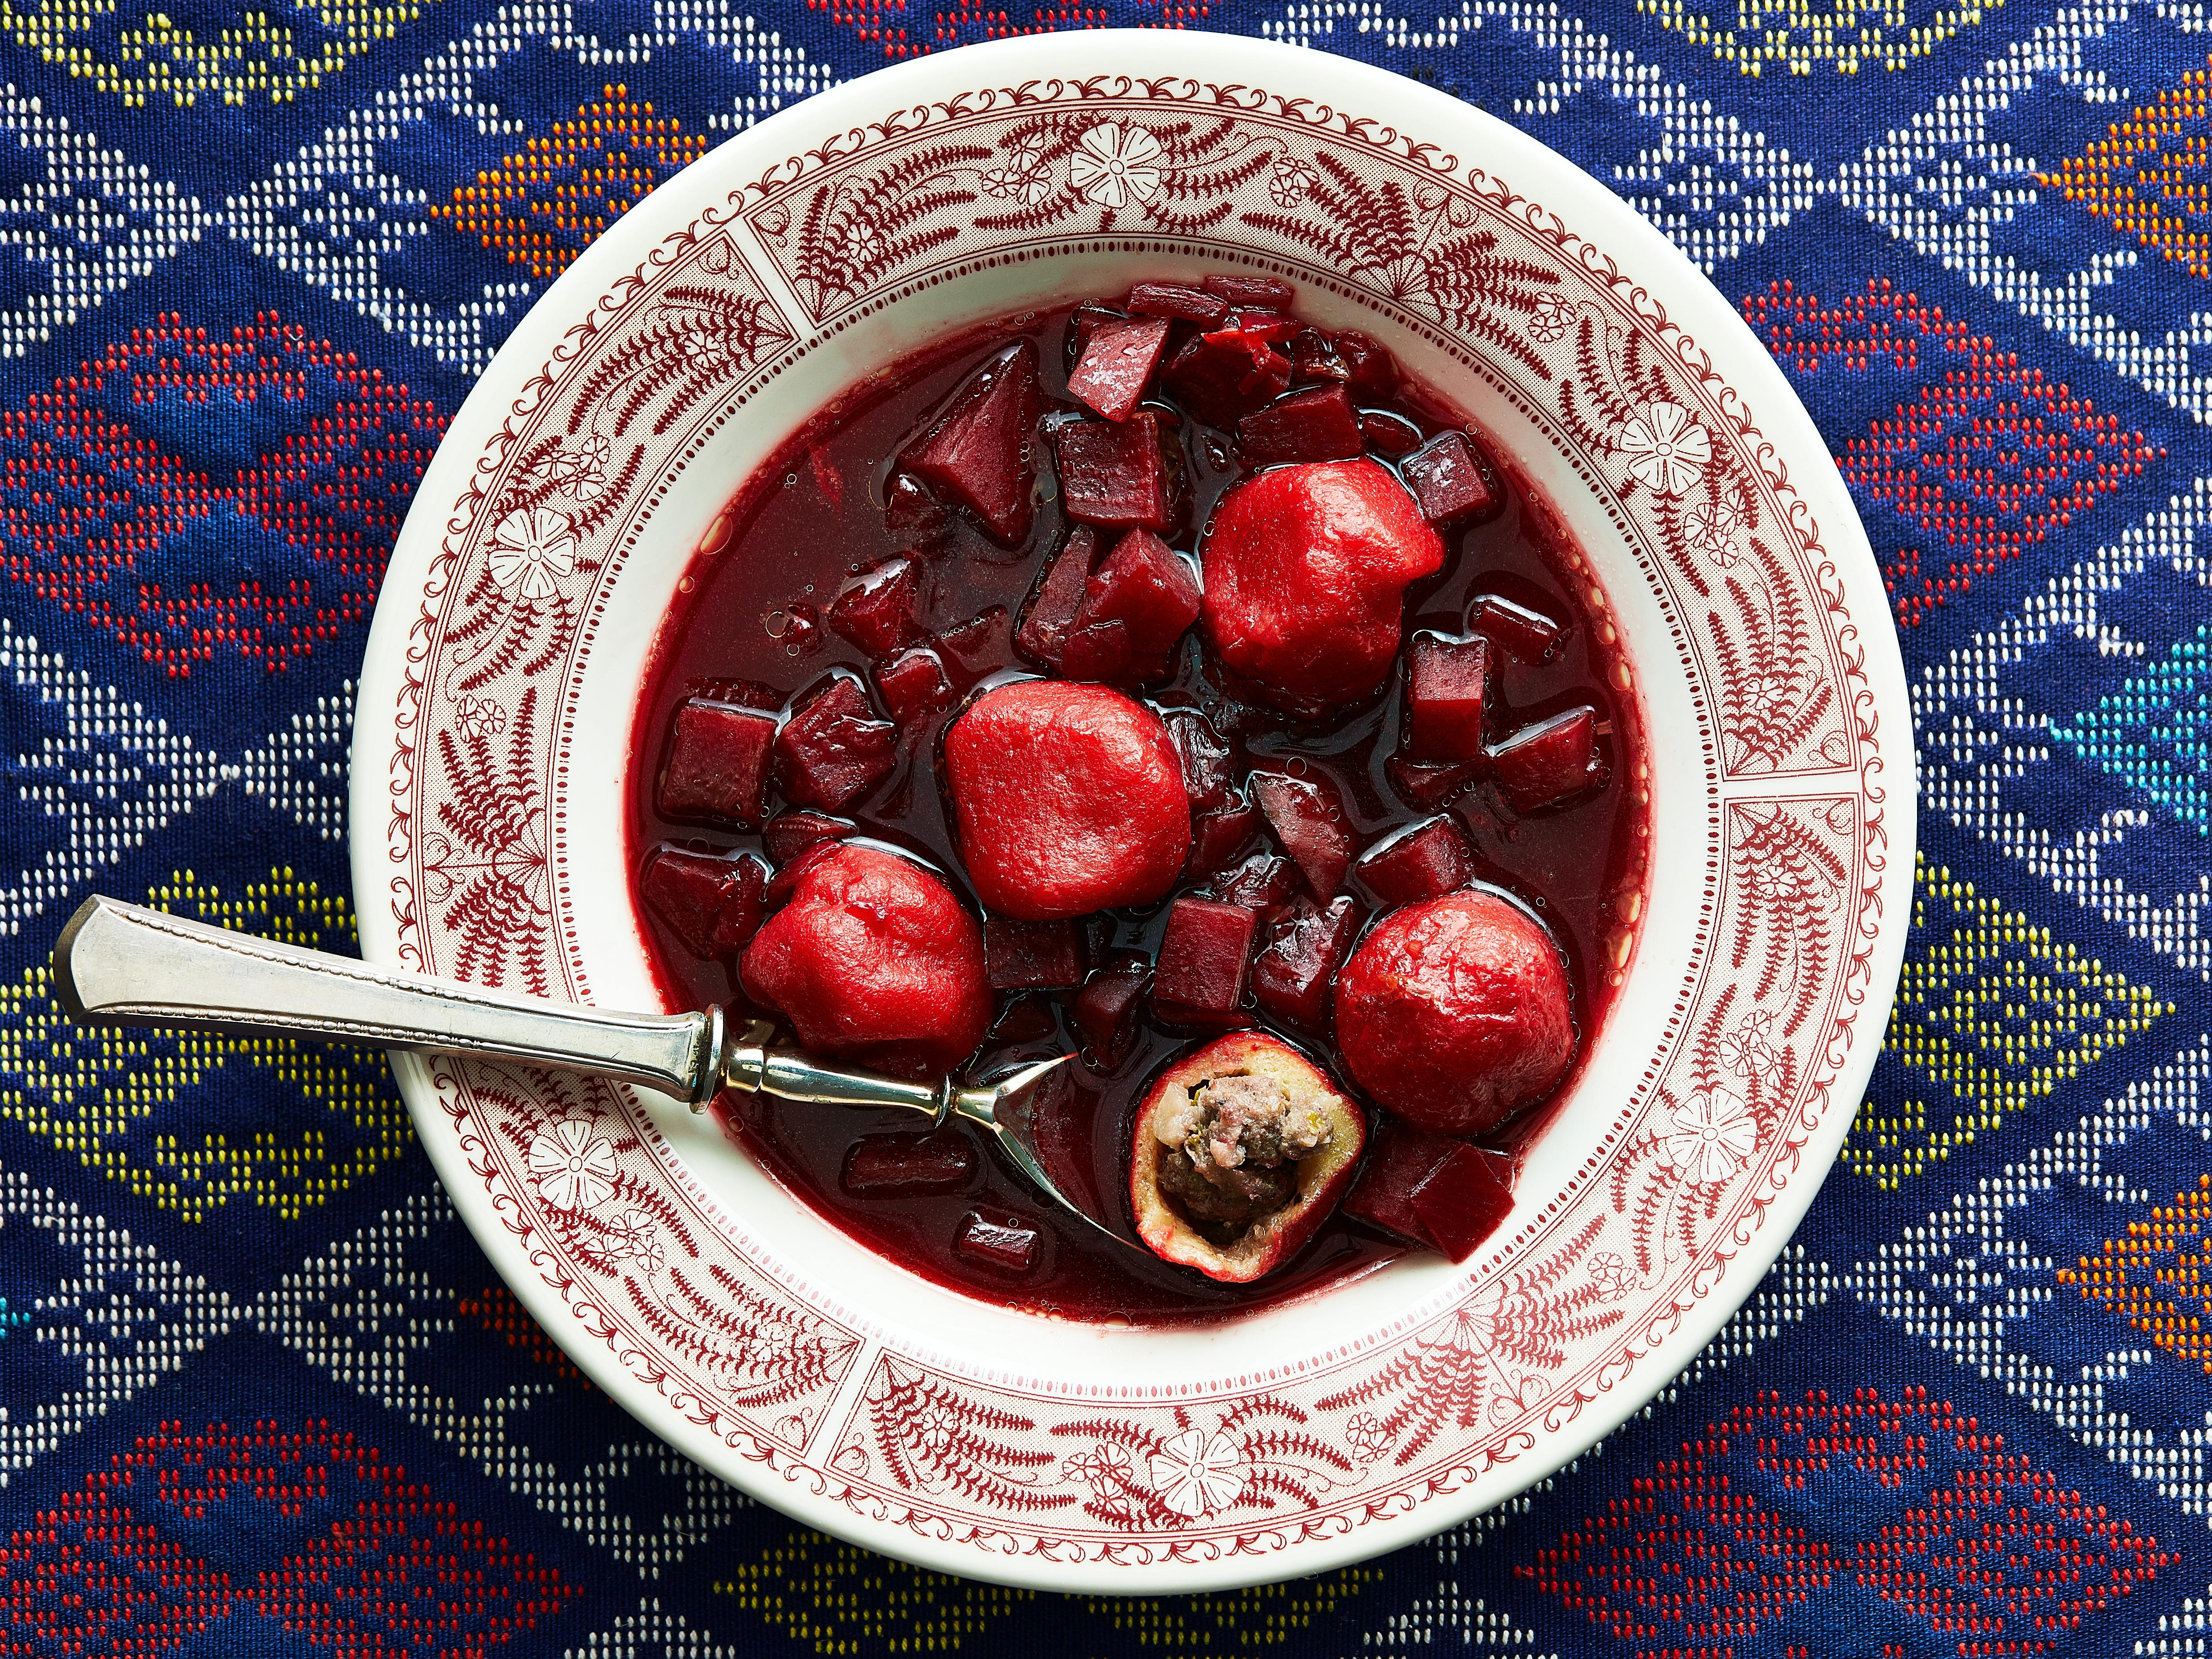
[{"x": 1062, "y": 541}]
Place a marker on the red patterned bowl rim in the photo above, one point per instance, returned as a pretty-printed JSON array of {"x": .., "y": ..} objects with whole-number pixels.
[{"x": 1659, "y": 404}]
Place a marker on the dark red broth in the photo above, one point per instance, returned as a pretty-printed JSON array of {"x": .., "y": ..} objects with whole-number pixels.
[{"x": 750, "y": 611}]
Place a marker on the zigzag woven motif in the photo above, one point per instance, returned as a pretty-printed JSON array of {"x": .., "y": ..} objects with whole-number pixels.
[{"x": 260, "y": 1393}]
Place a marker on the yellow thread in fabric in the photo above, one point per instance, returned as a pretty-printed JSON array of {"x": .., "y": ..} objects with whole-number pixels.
[
  {"x": 1996, "y": 1014},
  {"x": 1802, "y": 35},
  {"x": 839, "y": 1599},
  {"x": 92, "y": 1092},
  {"x": 2160, "y": 1276},
  {"x": 1233, "y": 1621},
  {"x": 539, "y": 206},
  {"x": 2150, "y": 176},
  {"x": 256, "y": 59}
]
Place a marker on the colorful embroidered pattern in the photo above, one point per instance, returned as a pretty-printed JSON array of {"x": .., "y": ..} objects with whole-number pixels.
[
  {"x": 540, "y": 207},
  {"x": 249, "y": 58},
  {"x": 104, "y": 1096},
  {"x": 2157, "y": 1277},
  {"x": 1989, "y": 459},
  {"x": 1959, "y": 1536},
  {"x": 1802, "y": 38},
  {"x": 1991, "y": 1011},
  {"x": 2155, "y": 733},
  {"x": 259, "y": 1389},
  {"x": 2147, "y": 175},
  {"x": 144, "y": 1555},
  {"x": 97, "y": 503}
]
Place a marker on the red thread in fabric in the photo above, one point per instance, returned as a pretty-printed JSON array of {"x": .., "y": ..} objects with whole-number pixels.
[
  {"x": 1988, "y": 459},
  {"x": 1979, "y": 1544},
  {"x": 88, "y": 505},
  {"x": 363, "y": 1560}
]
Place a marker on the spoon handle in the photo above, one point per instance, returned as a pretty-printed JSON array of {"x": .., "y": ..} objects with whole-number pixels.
[{"x": 122, "y": 964}]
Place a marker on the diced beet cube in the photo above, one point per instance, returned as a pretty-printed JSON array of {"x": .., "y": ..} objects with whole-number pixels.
[
  {"x": 1447, "y": 687},
  {"x": 1098, "y": 651},
  {"x": 834, "y": 750},
  {"x": 1259, "y": 884},
  {"x": 914, "y": 520},
  {"x": 1205, "y": 958},
  {"x": 1526, "y": 632},
  {"x": 745, "y": 694},
  {"x": 1219, "y": 836},
  {"x": 1221, "y": 378},
  {"x": 976, "y": 647},
  {"x": 978, "y": 451},
  {"x": 1450, "y": 481},
  {"x": 1026, "y": 1019},
  {"x": 790, "y": 834},
  {"x": 1144, "y": 585},
  {"x": 1426, "y": 784},
  {"x": 1423, "y": 861},
  {"x": 1462, "y": 1204},
  {"x": 1058, "y": 597},
  {"x": 713, "y": 903},
  {"x": 1430, "y": 1190},
  {"x": 1003, "y": 1244},
  {"x": 900, "y": 1166},
  {"x": 1174, "y": 300},
  {"x": 1032, "y": 956},
  {"x": 1084, "y": 321},
  {"x": 875, "y": 609},
  {"x": 1389, "y": 434},
  {"x": 717, "y": 762},
  {"x": 1317, "y": 424},
  {"x": 1106, "y": 1007},
  {"x": 1208, "y": 765},
  {"x": 913, "y": 685},
  {"x": 1115, "y": 474},
  {"x": 1314, "y": 359},
  {"x": 1300, "y": 951},
  {"x": 1117, "y": 365},
  {"x": 1506, "y": 1165},
  {"x": 1373, "y": 370},
  {"x": 1309, "y": 820},
  {"x": 1549, "y": 761},
  {"x": 1271, "y": 292}
]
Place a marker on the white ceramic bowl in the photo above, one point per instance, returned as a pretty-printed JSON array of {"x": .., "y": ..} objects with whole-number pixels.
[{"x": 595, "y": 457}]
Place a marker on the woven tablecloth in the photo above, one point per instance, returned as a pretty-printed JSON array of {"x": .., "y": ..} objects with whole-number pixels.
[{"x": 250, "y": 261}]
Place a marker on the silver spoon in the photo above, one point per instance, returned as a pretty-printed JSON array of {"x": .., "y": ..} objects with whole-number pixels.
[{"x": 122, "y": 964}]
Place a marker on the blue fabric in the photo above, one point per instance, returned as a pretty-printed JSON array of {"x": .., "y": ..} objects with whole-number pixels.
[{"x": 244, "y": 283}]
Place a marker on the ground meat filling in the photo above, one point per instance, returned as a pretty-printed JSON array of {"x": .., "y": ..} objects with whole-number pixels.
[{"x": 1229, "y": 1156}]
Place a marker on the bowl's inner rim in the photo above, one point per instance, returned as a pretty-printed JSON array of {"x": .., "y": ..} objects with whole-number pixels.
[{"x": 818, "y": 1261}]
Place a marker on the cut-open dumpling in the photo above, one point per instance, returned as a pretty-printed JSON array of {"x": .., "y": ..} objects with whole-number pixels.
[{"x": 1239, "y": 1152}]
